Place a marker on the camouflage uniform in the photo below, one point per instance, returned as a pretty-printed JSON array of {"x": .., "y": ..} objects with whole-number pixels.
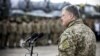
[
  {"x": 53, "y": 31},
  {"x": 29, "y": 31},
  {"x": 12, "y": 36},
  {"x": 57, "y": 32},
  {"x": 48, "y": 31},
  {"x": 5, "y": 32},
  {"x": 77, "y": 40},
  {"x": 19, "y": 33},
  {"x": 24, "y": 25},
  {"x": 43, "y": 29}
]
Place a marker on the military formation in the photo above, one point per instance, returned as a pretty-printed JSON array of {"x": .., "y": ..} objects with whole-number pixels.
[{"x": 16, "y": 29}]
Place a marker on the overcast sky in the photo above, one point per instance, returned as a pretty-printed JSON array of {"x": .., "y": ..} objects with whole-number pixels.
[{"x": 93, "y": 2}]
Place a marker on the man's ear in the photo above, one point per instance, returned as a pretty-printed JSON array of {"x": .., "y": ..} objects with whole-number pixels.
[{"x": 71, "y": 15}]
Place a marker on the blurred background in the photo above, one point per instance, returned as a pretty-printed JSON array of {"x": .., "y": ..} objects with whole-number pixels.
[{"x": 19, "y": 19}]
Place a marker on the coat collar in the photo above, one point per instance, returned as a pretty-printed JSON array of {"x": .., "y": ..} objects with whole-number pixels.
[{"x": 77, "y": 21}]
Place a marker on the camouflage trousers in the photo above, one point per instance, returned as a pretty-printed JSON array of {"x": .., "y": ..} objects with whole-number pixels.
[
  {"x": 18, "y": 38},
  {"x": 12, "y": 40},
  {"x": 3, "y": 40}
]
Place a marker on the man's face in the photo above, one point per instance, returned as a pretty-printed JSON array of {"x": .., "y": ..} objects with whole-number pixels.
[{"x": 66, "y": 17}]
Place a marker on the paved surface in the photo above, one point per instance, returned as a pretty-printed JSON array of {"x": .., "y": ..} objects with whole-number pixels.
[
  {"x": 98, "y": 49},
  {"x": 42, "y": 51}
]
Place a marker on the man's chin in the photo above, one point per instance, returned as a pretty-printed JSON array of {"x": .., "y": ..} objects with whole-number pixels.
[{"x": 63, "y": 24}]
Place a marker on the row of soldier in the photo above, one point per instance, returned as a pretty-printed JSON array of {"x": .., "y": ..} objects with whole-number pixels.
[{"x": 13, "y": 30}]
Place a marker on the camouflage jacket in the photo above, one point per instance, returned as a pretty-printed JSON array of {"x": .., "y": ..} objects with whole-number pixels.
[{"x": 77, "y": 40}]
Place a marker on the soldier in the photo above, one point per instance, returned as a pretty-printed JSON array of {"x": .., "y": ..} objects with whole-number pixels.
[
  {"x": 24, "y": 25},
  {"x": 48, "y": 31},
  {"x": 43, "y": 29},
  {"x": 13, "y": 31},
  {"x": 29, "y": 25},
  {"x": 28, "y": 28},
  {"x": 39, "y": 29},
  {"x": 24, "y": 31},
  {"x": 51, "y": 24},
  {"x": 78, "y": 39},
  {"x": 54, "y": 31},
  {"x": 57, "y": 31},
  {"x": 19, "y": 31},
  {"x": 5, "y": 32}
]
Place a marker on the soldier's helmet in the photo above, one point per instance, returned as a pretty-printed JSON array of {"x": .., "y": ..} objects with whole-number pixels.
[
  {"x": 18, "y": 20},
  {"x": 26, "y": 19},
  {"x": 12, "y": 19}
]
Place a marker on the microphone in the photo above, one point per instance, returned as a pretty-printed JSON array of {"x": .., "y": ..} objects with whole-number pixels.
[
  {"x": 33, "y": 36},
  {"x": 39, "y": 36}
]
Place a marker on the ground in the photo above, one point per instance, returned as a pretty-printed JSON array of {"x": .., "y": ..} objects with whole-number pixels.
[{"x": 41, "y": 50}]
